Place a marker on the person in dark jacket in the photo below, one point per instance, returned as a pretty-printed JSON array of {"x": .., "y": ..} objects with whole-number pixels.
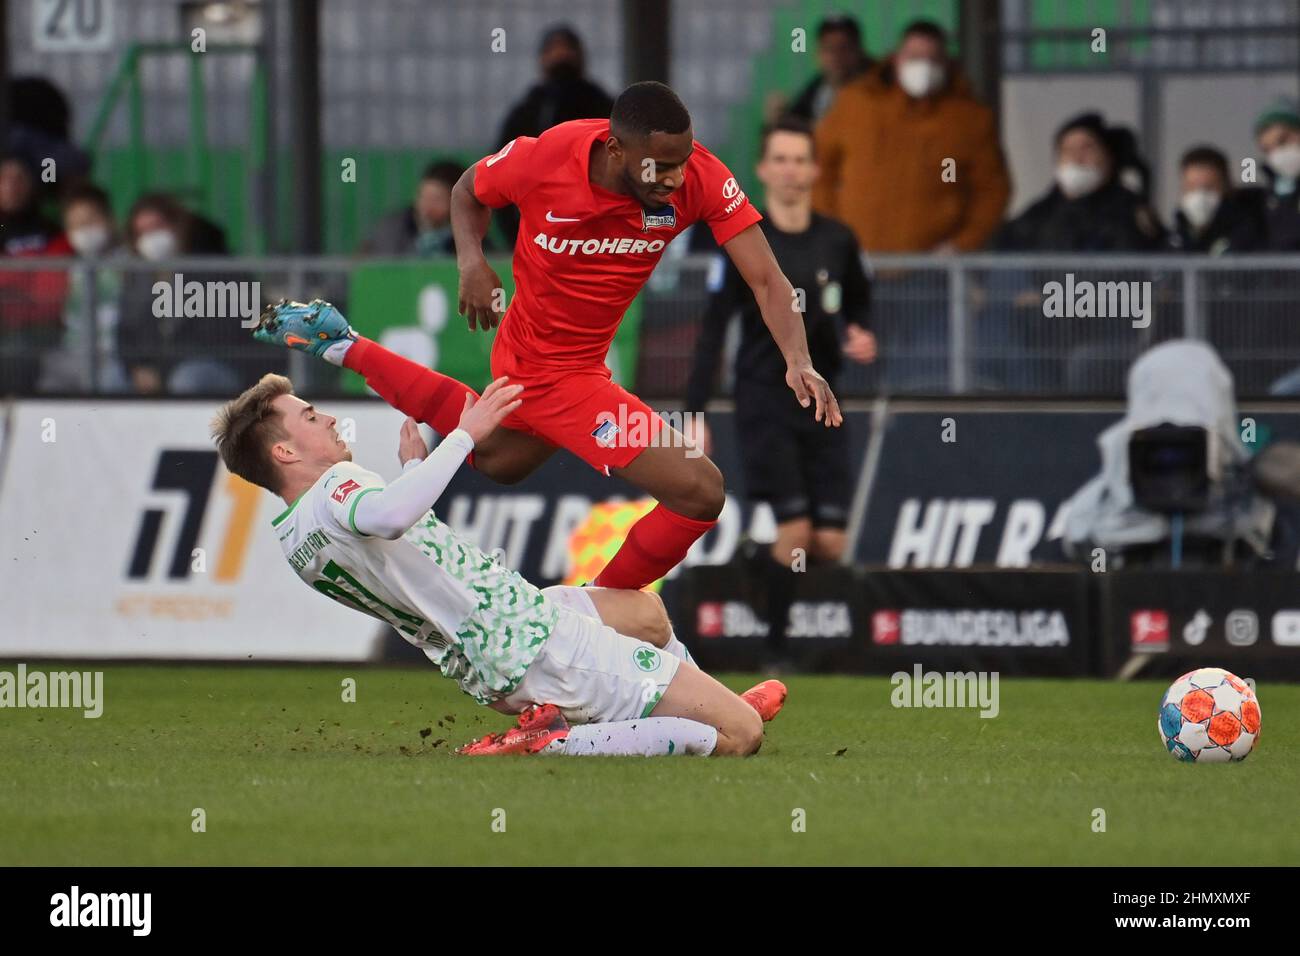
[
  {"x": 1212, "y": 217},
  {"x": 800, "y": 468},
  {"x": 31, "y": 303},
  {"x": 564, "y": 93},
  {"x": 1277, "y": 134},
  {"x": 1089, "y": 208},
  {"x": 187, "y": 355},
  {"x": 1097, "y": 203},
  {"x": 840, "y": 57}
]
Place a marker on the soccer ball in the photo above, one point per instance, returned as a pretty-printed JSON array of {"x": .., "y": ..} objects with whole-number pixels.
[{"x": 1209, "y": 716}]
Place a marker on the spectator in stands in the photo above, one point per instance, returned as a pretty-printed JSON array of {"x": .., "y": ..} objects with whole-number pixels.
[
  {"x": 564, "y": 93},
  {"x": 179, "y": 355},
  {"x": 1096, "y": 204},
  {"x": 94, "y": 237},
  {"x": 1212, "y": 217},
  {"x": 1088, "y": 208},
  {"x": 910, "y": 159},
  {"x": 40, "y": 125},
  {"x": 840, "y": 57},
  {"x": 424, "y": 227},
  {"x": 31, "y": 303},
  {"x": 1277, "y": 133}
]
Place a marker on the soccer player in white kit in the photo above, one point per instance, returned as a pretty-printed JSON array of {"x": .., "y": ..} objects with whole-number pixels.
[{"x": 555, "y": 657}]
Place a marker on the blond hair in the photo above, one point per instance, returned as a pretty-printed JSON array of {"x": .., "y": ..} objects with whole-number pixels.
[{"x": 246, "y": 427}]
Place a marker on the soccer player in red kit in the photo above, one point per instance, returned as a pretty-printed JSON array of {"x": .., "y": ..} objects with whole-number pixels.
[{"x": 599, "y": 200}]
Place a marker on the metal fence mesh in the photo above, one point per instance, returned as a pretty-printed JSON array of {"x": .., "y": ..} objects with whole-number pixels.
[{"x": 1035, "y": 325}]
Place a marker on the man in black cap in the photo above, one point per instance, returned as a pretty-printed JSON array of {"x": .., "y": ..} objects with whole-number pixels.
[{"x": 564, "y": 93}]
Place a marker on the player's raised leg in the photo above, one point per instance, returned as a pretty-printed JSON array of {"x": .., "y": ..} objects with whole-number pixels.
[{"x": 428, "y": 396}]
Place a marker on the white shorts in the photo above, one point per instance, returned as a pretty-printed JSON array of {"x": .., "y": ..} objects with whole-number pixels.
[{"x": 592, "y": 672}]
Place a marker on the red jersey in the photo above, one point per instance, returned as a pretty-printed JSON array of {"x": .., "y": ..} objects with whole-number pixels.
[{"x": 583, "y": 252}]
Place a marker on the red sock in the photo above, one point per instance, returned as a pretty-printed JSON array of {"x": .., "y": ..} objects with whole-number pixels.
[
  {"x": 425, "y": 395},
  {"x": 653, "y": 547}
]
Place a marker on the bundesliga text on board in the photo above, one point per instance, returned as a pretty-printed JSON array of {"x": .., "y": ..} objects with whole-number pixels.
[
  {"x": 956, "y": 627},
  {"x": 815, "y": 619}
]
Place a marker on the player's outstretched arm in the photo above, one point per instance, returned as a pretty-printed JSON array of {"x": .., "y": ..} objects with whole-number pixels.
[
  {"x": 783, "y": 316},
  {"x": 393, "y": 509},
  {"x": 480, "y": 286}
]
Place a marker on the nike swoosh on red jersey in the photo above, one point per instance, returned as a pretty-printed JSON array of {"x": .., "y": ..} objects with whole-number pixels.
[{"x": 550, "y": 217}]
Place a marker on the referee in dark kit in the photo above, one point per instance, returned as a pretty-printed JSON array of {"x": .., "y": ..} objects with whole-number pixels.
[{"x": 797, "y": 465}]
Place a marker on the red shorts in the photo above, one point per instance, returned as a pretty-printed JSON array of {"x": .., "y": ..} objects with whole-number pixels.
[{"x": 581, "y": 410}]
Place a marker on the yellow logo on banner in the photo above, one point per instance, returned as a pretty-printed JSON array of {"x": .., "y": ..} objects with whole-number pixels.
[{"x": 595, "y": 541}]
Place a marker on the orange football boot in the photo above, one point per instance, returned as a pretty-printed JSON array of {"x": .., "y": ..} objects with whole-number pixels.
[
  {"x": 538, "y": 726},
  {"x": 767, "y": 698}
]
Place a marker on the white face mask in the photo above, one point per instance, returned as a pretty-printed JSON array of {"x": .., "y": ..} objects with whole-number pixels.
[
  {"x": 89, "y": 240},
  {"x": 1199, "y": 206},
  {"x": 1285, "y": 160},
  {"x": 920, "y": 78},
  {"x": 1077, "y": 180},
  {"x": 157, "y": 244}
]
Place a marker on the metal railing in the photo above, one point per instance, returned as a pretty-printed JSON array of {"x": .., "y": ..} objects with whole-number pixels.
[{"x": 960, "y": 325}]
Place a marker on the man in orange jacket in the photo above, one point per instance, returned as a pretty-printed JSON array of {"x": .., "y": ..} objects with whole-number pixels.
[{"x": 910, "y": 159}]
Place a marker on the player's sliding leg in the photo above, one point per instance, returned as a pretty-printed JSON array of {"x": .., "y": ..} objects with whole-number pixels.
[
  {"x": 543, "y": 729},
  {"x": 696, "y": 716},
  {"x": 642, "y": 615},
  {"x": 690, "y": 494},
  {"x": 438, "y": 400},
  {"x": 695, "y": 696},
  {"x": 638, "y": 614}
]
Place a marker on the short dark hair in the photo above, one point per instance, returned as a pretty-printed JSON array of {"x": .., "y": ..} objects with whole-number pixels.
[
  {"x": 1091, "y": 123},
  {"x": 841, "y": 23},
  {"x": 562, "y": 32},
  {"x": 786, "y": 124},
  {"x": 926, "y": 28},
  {"x": 87, "y": 193},
  {"x": 165, "y": 205},
  {"x": 1206, "y": 156},
  {"x": 443, "y": 171},
  {"x": 648, "y": 107}
]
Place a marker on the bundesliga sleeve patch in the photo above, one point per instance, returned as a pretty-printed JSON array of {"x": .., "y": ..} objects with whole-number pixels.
[{"x": 342, "y": 491}]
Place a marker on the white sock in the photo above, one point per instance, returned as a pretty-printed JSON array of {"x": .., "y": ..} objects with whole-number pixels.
[
  {"x": 677, "y": 648},
  {"x": 646, "y": 737},
  {"x": 334, "y": 354}
]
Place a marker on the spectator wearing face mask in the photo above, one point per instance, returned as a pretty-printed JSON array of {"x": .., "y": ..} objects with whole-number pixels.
[
  {"x": 885, "y": 145},
  {"x": 1088, "y": 208},
  {"x": 1277, "y": 134},
  {"x": 1212, "y": 217},
  {"x": 31, "y": 303},
  {"x": 88, "y": 224},
  {"x": 179, "y": 354},
  {"x": 840, "y": 59},
  {"x": 564, "y": 93}
]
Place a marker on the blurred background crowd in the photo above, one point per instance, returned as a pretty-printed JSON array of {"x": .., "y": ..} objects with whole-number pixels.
[{"x": 911, "y": 153}]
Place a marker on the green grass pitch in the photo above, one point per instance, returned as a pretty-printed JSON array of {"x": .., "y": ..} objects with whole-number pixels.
[{"x": 288, "y": 773}]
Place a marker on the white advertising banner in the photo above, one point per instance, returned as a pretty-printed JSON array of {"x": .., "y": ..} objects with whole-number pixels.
[{"x": 123, "y": 535}]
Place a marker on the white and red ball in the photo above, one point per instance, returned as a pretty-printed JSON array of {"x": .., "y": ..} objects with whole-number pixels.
[{"x": 1209, "y": 716}]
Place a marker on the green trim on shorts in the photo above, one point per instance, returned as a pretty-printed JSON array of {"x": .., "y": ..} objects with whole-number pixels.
[{"x": 651, "y": 704}]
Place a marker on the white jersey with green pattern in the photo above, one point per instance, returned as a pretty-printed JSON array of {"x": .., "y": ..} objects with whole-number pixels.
[{"x": 481, "y": 623}]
